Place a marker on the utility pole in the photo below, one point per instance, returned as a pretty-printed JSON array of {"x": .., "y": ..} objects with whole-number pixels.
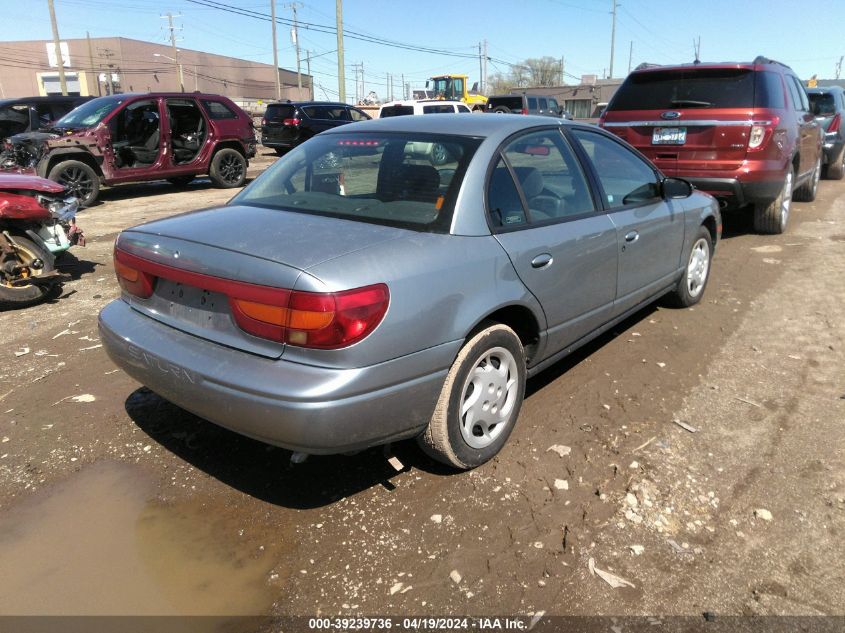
[
  {"x": 404, "y": 92},
  {"x": 170, "y": 26},
  {"x": 91, "y": 64},
  {"x": 341, "y": 75},
  {"x": 838, "y": 67},
  {"x": 562, "y": 73},
  {"x": 696, "y": 44},
  {"x": 630, "y": 56},
  {"x": 275, "y": 52},
  {"x": 108, "y": 54},
  {"x": 310, "y": 77},
  {"x": 612, "y": 37},
  {"x": 389, "y": 88},
  {"x": 294, "y": 34},
  {"x": 60, "y": 61}
]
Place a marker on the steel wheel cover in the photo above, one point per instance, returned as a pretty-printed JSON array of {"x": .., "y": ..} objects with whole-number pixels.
[
  {"x": 488, "y": 397},
  {"x": 699, "y": 265}
]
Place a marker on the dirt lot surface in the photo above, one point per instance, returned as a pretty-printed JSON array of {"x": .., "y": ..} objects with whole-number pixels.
[{"x": 115, "y": 501}]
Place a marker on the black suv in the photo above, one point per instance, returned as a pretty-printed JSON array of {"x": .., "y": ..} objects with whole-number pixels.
[
  {"x": 526, "y": 104},
  {"x": 32, "y": 113},
  {"x": 828, "y": 104},
  {"x": 286, "y": 125}
]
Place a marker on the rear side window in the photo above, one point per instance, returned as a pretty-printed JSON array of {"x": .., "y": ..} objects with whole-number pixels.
[
  {"x": 278, "y": 112},
  {"x": 687, "y": 88},
  {"x": 768, "y": 91},
  {"x": 503, "y": 202},
  {"x": 799, "y": 96},
  {"x": 397, "y": 110},
  {"x": 217, "y": 110},
  {"x": 438, "y": 109},
  {"x": 544, "y": 105},
  {"x": 532, "y": 103}
]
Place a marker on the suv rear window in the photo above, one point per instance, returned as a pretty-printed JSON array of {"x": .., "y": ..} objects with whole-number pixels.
[
  {"x": 387, "y": 178},
  {"x": 217, "y": 110},
  {"x": 279, "y": 111},
  {"x": 699, "y": 88},
  {"x": 397, "y": 110},
  {"x": 822, "y": 102},
  {"x": 514, "y": 103}
]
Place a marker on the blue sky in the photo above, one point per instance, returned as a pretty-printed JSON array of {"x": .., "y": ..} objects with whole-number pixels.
[{"x": 662, "y": 31}]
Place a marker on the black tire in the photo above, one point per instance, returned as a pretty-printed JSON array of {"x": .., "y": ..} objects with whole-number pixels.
[
  {"x": 807, "y": 192},
  {"x": 280, "y": 151},
  {"x": 835, "y": 170},
  {"x": 772, "y": 218},
  {"x": 691, "y": 285},
  {"x": 181, "y": 181},
  {"x": 79, "y": 178},
  {"x": 501, "y": 110},
  {"x": 444, "y": 439},
  {"x": 23, "y": 296},
  {"x": 439, "y": 154},
  {"x": 228, "y": 169}
]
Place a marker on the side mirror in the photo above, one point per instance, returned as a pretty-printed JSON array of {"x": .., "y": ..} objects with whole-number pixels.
[{"x": 675, "y": 188}]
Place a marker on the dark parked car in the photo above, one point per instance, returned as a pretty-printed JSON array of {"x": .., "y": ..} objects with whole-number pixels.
[
  {"x": 828, "y": 105},
  {"x": 286, "y": 125},
  {"x": 355, "y": 294},
  {"x": 526, "y": 104},
  {"x": 742, "y": 132},
  {"x": 31, "y": 113},
  {"x": 136, "y": 138}
]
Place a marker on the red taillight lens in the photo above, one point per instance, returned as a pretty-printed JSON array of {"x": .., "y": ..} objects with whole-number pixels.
[
  {"x": 524, "y": 110},
  {"x": 293, "y": 122},
  {"x": 264, "y": 121},
  {"x": 132, "y": 280},
  {"x": 835, "y": 124},
  {"x": 761, "y": 132},
  {"x": 316, "y": 320}
]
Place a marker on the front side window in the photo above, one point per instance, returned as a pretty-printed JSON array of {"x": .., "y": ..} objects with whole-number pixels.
[
  {"x": 357, "y": 115},
  {"x": 625, "y": 178},
  {"x": 551, "y": 179},
  {"x": 395, "y": 179}
]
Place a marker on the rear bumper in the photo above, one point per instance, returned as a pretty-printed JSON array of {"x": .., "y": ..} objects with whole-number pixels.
[
  {"x": 299, "y": 407},
  {"x": 734, "y": 193}
]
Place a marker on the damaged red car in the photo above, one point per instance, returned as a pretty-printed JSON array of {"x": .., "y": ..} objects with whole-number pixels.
[{"x": 135, "y": 138}]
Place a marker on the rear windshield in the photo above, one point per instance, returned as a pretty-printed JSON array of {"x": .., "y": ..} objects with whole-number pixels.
[
  {"x": 514, "y": 103},
  {"x": 822, "y": 102},
  {"x": 280, "y": 111},
  {"x": 699, "y": 88},
  {"x": 397, "y": 110},
  {"x": 90, "y": 113},
  {"x": 396, "y": 179}
]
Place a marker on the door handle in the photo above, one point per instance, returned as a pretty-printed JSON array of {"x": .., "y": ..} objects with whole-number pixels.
[
  {"x": 542, "y": 261},
  {"x": 631, "y": 237}
]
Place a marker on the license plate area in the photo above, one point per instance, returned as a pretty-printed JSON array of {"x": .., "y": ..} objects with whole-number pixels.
[
  {"x": 191, "y": 304},
  {"x": 669, "y": 136}
]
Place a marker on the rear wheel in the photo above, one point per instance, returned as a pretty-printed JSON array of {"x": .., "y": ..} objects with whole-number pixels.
[
  {"x": 836, "y": 170},
  {"x": 501, "y": 110},
  {"x": 79, "y": 179},
  {"x": 280, "y": 151},
  {"x": 773, "y": 217},
  {"x": 439, "y": 154},
  {"x": 480, "y": 400},
  {"x": 807, "y": 191},
  {"x": 30, "y": 260},
  {"x": 228, "y": 168}
]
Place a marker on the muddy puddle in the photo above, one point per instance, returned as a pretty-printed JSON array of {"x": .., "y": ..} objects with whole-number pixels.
[{"x": 101, "y": 544}]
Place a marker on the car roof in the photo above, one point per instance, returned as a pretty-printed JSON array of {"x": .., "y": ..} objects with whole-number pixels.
[
  {"x": 308, "y": 103},
  {"x": 823, "y": 89},
  {"x": 478, "y": 125},
  {"x": 412, "y": 102}
]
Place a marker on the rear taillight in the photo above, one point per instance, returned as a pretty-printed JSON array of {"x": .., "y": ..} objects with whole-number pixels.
[
  {"x": 314, "y": 319},
  {"x": 761, "y": 132},
  {"x": 292, "y": 122},
  {"x": 131, "y": 279},
  {"x": 835, "y": 123},
  {"x": 264, "y": 121},
  {"x": 323, "y": 320},
  {"x": 524, "y": 110}
]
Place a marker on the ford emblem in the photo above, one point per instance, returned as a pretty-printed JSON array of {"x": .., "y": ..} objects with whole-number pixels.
[{"x": 670, "y": 115}]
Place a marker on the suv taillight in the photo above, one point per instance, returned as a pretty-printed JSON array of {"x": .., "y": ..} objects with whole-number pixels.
[
  {"x": 321, "y": 320},
  {"x": 835, "y": 123},
  {"x": 524, "y": 110},
  {"x": 264, "y": 121},
  {"x": 761, "y": 132},
  {"x": 293, "y": 122}
]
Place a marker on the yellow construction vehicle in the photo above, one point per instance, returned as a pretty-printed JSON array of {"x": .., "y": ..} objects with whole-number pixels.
[{"x": 454, "y": 88}]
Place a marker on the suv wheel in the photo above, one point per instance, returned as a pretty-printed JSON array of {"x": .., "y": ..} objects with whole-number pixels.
[
  {"x": 501, "y": 110},
  {"x": 79, "y": 179},
  {"x": 772, "y": 218},
  {"x": 807, "y": 192},
  {"x": 480, "y": 400},
  {"x": 228, "y": 168},
  {"x": 439, "y": 154},
  {"x": 836, "y": 170}
]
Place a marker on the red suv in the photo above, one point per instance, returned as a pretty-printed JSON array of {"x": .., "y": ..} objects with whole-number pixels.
[
  {"x": 139, "y": 137},
  {"x": 743, "y": 132}
]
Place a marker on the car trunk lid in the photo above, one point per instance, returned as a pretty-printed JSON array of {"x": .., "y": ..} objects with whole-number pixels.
[{"x": 203, "y": 251}]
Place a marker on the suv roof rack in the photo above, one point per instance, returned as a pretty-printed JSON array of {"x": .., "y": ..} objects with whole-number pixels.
[{"x": 646, "y": 65}]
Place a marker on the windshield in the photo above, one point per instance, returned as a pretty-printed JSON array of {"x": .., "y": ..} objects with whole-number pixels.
[
  {"x": 89, "y": 114},
  {"x": 396, "y": 179},
  {"x": 443, "y": 87}
]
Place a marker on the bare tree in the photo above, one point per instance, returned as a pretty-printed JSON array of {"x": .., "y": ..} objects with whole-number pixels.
[
  {"x": 544, "y": 71},
  {"x": 534, "y": 72}
]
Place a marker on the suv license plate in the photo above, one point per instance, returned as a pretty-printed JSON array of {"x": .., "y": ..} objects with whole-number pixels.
[{"x": 669, "y": 136}]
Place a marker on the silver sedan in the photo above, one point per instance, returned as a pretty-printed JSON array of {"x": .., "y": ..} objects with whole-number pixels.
[{"x": 356, "y": 293}]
